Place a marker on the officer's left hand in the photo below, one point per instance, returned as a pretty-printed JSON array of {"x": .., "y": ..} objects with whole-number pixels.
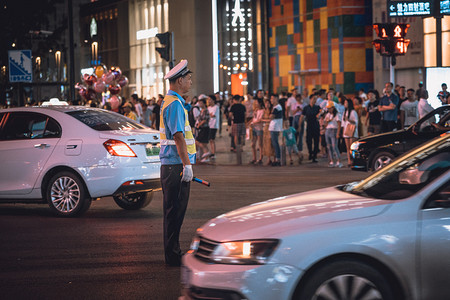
[{"x": 188, "y": 174}]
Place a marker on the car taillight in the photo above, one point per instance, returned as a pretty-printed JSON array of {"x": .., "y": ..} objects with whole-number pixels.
[{"x": 118, "y": 148}]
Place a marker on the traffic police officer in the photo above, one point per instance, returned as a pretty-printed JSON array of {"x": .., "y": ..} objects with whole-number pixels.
[{"x": 177, "y": 155}]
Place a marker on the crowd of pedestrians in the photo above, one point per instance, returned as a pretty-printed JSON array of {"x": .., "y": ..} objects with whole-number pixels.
[{"x": 277, "y": 125}]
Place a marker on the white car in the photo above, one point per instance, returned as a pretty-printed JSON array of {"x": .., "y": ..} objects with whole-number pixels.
[
  {"x": 68, "y": 155},
  {"x": 385, "y": 237}
]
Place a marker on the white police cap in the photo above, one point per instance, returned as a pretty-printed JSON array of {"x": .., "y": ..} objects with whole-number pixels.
[{"x": 179, "y": 70}]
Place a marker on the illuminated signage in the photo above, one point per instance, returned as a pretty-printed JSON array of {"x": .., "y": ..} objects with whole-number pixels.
[
  {"x": 147, "y": 33},
  {"x": 237, "y": 13},
  {"x": 93, "y": 28},
  {"x": 444, "y": 7},
  {"x": 410, "y": 8}
]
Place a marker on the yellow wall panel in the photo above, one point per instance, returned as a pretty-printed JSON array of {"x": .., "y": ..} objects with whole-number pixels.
[
  {"x": 300, "y": 48},
  {"x": 290, "y": 28},
  {"x": 335, "y": 61},
  {"x": 323, "y": 18},
  {"x": 272, "y": 40},
  {"x": 310, "y": 36},
  {"x": 285, "y": 65},
  {"x": 354, "y": 60}
]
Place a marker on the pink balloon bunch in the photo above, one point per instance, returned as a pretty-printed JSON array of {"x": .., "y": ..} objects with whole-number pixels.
[{"x": 100, "y": 81}]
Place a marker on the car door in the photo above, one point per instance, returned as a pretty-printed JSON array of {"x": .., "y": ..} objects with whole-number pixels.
[
  {"x": 27, "y": 139},
  {"x": 434, "y": 261}
]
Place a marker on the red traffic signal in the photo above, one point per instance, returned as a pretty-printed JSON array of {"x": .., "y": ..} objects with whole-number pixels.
[
  {"x": 389, "y": 47},
  {"x": 391, "y": 30},
  {"x": 164, "y": 39}
]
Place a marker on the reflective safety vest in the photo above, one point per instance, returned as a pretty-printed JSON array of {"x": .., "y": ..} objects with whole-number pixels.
[{"x": 188, "y": 136}]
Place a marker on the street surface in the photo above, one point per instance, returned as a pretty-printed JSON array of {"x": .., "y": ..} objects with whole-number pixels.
[{"x": 110, "y": 253}]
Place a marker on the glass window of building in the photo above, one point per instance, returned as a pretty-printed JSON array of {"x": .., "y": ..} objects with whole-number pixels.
[{"x": 147, "y": 69}]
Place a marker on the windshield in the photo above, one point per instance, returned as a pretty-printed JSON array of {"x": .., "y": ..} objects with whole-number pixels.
[
  {"x": 408, "y": 174},
  {"x": 102, "y": 120}
]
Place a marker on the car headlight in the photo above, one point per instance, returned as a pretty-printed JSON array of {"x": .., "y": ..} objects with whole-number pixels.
[
  {"x": 251, "y": 252},
  {"x": 356, "y": 145}
]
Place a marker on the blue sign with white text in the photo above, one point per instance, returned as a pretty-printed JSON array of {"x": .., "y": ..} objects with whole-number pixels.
[
  {"x": 20, "y": 66},
  {"x": 410, "y": 8}
]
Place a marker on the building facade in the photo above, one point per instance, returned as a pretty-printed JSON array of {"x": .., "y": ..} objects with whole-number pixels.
[{"x": 321, "y": 44}]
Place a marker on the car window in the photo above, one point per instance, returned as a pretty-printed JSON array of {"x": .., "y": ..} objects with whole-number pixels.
[
  {"x": 103, "y": 120},
  {"x": 52, "y": 130},
  {"x": 28, "y": 125},
  {"x": 441, "y": 116},
  {"x": 407, "y": 176},
  {"x": 440, "y": 198}
]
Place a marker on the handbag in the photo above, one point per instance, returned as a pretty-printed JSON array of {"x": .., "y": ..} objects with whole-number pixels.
[{"x": 349, "y": 130}]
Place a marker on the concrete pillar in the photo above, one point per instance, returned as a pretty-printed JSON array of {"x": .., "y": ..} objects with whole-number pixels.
[{"x": 190, "y": 22}]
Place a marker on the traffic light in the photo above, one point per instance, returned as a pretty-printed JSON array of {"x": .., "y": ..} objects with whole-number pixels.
[
  {"x": 165, "y": 40},
  {"x": 389, "y": 47},
  {"x": 391, "y": 40},
  {"x": 391, "y": 30}
]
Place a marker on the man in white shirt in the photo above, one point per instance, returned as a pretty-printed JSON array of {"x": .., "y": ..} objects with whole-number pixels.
[
  {"x": 409, "y": 113},
  {"x": 291, "y": 106},
  {"x": 424, "y": 107}
]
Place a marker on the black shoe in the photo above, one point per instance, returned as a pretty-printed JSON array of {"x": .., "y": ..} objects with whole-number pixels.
[
  {"x": 314, "y": 160},
  {"x": 176, "y": 264}
]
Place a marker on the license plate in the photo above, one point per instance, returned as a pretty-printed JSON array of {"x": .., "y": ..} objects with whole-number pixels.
[
  {"x": 152, "y": 150},
  {"x": 185, "y": 276}
]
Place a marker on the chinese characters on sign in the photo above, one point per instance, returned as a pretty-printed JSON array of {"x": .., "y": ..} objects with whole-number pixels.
[
  {"x": 410, "y": 8},
  {"x": 445, "y": 7}
]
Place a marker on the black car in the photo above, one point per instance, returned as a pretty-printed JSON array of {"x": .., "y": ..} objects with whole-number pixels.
[{"x": 376, "y": 151}]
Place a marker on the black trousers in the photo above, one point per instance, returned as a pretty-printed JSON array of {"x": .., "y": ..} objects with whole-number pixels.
[
  {"x": 312, "y": 138},
  {"x": 387, "y": 126},
  {"x": 176, "y": 197}
]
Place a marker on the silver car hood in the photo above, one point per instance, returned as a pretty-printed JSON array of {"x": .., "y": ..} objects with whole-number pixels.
[{"x": 277, "y": 217}]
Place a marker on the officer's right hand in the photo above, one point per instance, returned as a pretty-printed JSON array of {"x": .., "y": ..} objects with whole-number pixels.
[{"x": 188, "y": 174}]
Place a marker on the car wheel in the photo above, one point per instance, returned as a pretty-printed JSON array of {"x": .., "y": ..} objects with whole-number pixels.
[
  {"x": 67, "y": 195},
  {"x": 134, "y": 201},
  {"x": 382, "y": 159},
  {"x": 346, "y": 280}
]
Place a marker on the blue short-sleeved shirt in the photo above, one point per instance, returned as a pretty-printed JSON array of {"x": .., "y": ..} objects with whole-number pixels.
[
  {"x": 174, "y": 120},
  {"x": 389, "y": 115}
]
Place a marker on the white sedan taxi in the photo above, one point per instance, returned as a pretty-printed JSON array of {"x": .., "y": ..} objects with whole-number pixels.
[{"x": 68, "y": 155}]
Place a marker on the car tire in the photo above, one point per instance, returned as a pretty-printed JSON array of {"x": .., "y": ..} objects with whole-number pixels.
[
  {"x": 67, "y": 195},
  {"x": 134, "y": 201},
  {"x": 347, "y": 279},
  {"x": 381, "y": 160}
]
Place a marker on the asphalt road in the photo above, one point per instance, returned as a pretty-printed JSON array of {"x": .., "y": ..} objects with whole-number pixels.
[{"x": 110, "y": 253}]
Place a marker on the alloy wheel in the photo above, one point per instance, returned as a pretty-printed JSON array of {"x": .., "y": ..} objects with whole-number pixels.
[
  {"x": 65, "y": 194},
  {"x": 350, "y": 287}
]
